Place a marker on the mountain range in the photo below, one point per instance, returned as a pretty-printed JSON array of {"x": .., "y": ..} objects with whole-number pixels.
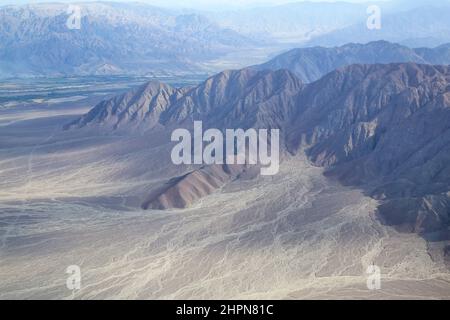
[
  {"x": 234, "y": 98},
  {"x": 312, "y": 63},
  {"x": 113, "y": 38},
  {"x": 424, "y": 25},
  {"x": 292, "y": 22},
  {"x": 383, "y": 128},
  {"x": 132, "y": 38}
]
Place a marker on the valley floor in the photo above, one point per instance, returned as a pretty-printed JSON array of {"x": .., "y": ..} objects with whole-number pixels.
[{"x": 72, "y": 199}]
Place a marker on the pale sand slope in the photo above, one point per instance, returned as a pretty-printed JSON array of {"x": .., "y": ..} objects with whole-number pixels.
[{"x": 294, "y": 235}]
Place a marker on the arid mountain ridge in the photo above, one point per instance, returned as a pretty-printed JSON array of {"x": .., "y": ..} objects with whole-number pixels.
[
  {"x": 384, "y": 128},
  {"x": 310, "y": 64}
]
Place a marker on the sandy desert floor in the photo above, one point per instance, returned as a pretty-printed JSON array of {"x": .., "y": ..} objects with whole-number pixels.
[{"x": 70, "y": 198}]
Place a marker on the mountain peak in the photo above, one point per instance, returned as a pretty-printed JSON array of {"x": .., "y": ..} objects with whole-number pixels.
[
  {"x": 231, "y": 98},
  {"x": 142, "y": 105}
]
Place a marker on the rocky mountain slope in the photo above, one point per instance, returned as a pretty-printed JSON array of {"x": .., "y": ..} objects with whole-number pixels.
[
  {"x": 384, "y": 128},
  {"x": 231, "y": 99},
  {"x": 310, "y": 64}
]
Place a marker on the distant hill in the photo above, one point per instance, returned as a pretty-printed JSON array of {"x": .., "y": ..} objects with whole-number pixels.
[
  {"x": 310, "y": 64},
  {"x": 423, "y": 26},
  {"x": 292, "y": 22},
  {"x": 114, "y": 38}
]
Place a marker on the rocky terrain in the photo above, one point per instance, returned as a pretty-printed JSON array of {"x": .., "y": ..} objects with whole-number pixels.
[
  {"x": 381, "y": 127},
  {"x": 104, "y": 195},
  {"x": 87, "y": 177},
  {"x": 385, "y": 125},
  {"x": 231, "y": 99}
]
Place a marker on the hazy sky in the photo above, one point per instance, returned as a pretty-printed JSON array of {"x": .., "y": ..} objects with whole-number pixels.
[
  {"x": 190, "y": 3},
  {"x": 229, "y": 4}
]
